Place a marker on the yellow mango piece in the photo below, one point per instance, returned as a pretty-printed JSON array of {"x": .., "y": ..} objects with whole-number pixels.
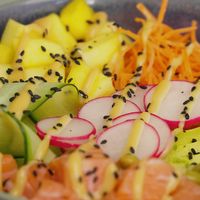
[
  {"x": 12, "y": 33},
  {"x": 55, "y": 31},
  {"x": 3, "y": 69},
  {"x": 37, "y": 52},
  {"x": 101, "y": 86},
  {"x": 75, "y": 16},
  {"x": 99, "y": 51},
  {"x": 6, "y": 54},
  {"x": 78, "y": 74},
  {"x": 102, "y": 27}
]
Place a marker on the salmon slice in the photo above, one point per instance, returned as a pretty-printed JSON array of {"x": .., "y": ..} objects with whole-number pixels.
[
  {"x": 9, "y": 170},
  {"x": 187, "y": 190},
  {"x": 153, "y": 185},
  {"x": 35, "y": 175},
  {"x": 93, "y": 171},
  {"x": 51, "y": 190}
]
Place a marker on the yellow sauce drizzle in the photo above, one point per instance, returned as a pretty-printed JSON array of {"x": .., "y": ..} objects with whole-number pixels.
[
  {"x": 43, "y": 148},
  {"x": 75, "y": 172},
  {"x": 171, "y": 186},
  {"x": 138, "y": 181},
  {"x": 22, "y": 101},
  {"x": 141, "y": 59},
  {"x": 64, "y": 120},
  {"x": 20, "y": 181},
  {"x": 109, "y": 181},
  {"x": 1, "y": 172}
]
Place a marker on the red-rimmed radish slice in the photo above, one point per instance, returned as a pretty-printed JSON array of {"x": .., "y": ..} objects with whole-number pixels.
[
  {"x": 113, "y": 140},
  {"x": 77, "y": 129},
  {"x": 138, "y": 96},
  {"x": 96, "y": 109},
  {"x": 160, "y": 125},
  {"x": 173, "y": 104}
]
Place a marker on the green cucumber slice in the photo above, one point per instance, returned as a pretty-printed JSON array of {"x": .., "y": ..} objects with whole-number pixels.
[
  {"x": 8, "y": 90},
  {"x": 63, "y": 102},
  {"x": 12, "y": 138}
]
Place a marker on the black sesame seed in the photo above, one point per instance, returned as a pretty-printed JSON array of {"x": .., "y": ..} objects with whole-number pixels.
[
  {"x": 115, "y": 77},
  {"x": 55, "y": 89},
  {"x": 175, "y": 138},
  {"x": 41, "y": 165},
  {"x": 191, "y": 98},
  {"x": 104, "y": 127},
  {"x": 59, "y": 125},
  {"x": 57, "y": 73},
  {"x": 51, "y": 172},
  {"x": 19, "y": 60},
  {"x": 103, "y": 142},
  {"x": 115, "y": 96},
  {"x": 67, "y": 28},
  {"x": 85, "y": 96},
  {"x": 76, "y": 61},
  {"x": 106, "y": 155},
  {"x": 43, "y": 48},
  {"x": 123, "y": 43},
  {"x": 88, "y": 156},
  {"x": 90, "y": 47},
  {"x": 132, "y": 150},
  {"x": 137, "y": 75},
  {"x": 194, "y": 140},
  {"x": 9, "y": 71},
  {"x": 193, "y": 88},
  {"x": 3, "y": 105},
  {"x": 190, "y": 156},
  {"x": 161, "y": 46},
  {"x": 80, "y": 40},
  {"x": 116, "y": 175},
  {"x": 70, "y": 80},
  {"x": 186, "y": 102},
  {"x": 129, "y": 94},
  {"x": 20, "y": 68},
  {"x": 187, "y": 116},
  {"x": 22, "y": 53},
  {"x": 175, "y": 174},
  {"x": 143, "y": 87},
  {"x": 98, "y": 21},
  {"x": 108, "y": 74},
  {"x": 106, "y": 116},
  {"x": 51, "y": 55},
  {"x": 48, "y": 95},
  {"x": 12, "y": 99},
  {"x": 138, "y": 69},
  {"x": 193, "y": 163},
  {"x": 193, "y": 151},
  {"x": 124, "y": 99},
  {"x": 49, "y": 72},
  {"x": 71, "y": 116},
  {"x": 162, "y": 74},
  {"x": 89, "y": 22},
  {"x": 96, "y": 146},
  {"x": 34, "y": 172},
  {"x": 140, "y": 53},
  {"x": 116, "y": 24},
  {"x": 113, "y": 105},
  {"x": 169, "y": 67},
  {"x": 90, "y": 172}
]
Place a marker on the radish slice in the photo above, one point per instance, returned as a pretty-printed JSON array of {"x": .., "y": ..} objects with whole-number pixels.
[
  {"x": 172, "y": 106},
  {"x": 113, "y": 140},
  {"x": 138, "y": 96},
  {"x": 160, "y": 125},
  {"x": 96, "y": 109},
  {"x": 77, "y": 129}
]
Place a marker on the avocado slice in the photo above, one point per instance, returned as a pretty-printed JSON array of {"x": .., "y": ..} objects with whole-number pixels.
[{"x": 186, "y": 149}]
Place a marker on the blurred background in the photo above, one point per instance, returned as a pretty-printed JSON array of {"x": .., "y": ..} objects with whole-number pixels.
[{"x": 180, "y": 12}]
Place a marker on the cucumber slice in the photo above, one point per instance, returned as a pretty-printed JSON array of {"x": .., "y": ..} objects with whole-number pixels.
[
  {"x": 18, "y": 139},
  {"x": 12, "y": 138},
  {"x": 63, "y": 102},
  {"x": 43, "y": 91},
  {"x": 8, "y": 91}
]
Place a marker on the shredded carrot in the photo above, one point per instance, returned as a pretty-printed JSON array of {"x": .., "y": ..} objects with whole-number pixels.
[{"x": 163, "y": 44}]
